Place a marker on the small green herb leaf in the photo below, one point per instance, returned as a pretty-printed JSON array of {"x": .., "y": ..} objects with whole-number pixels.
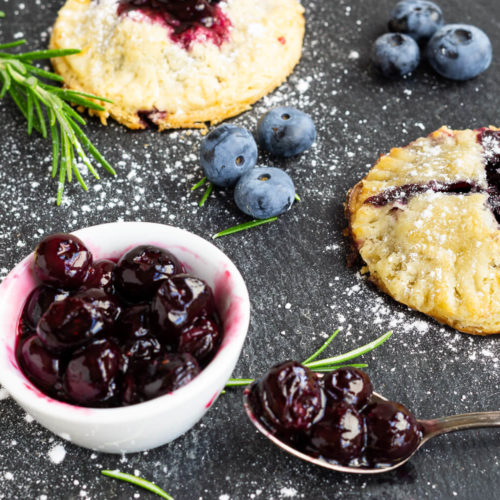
[
  {"x": 322, "y": 348},
  {"x": 351, "y": 354},
  {"x": 243, "y": 227},
  {"x": 297, "y": 197},
  {"x": 206, "y": 194},
  {"x": 137, "y": 481},
  {"x": 2, "y": 14},
  {"x": 199, "y": 184}
]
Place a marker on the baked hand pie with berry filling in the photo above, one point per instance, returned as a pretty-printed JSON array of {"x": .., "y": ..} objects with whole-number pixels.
[
  {"x": 425, "y": 221},
  {"x": 178, "y": 63}
]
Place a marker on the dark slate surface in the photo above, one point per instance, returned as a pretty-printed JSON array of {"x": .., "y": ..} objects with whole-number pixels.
[{"x": 295, "y": 269}]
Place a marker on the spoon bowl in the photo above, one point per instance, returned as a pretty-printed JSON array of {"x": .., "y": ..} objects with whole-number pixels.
[{"x": 429, "y": 428}]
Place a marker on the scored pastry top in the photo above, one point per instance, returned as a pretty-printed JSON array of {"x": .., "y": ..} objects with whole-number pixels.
[{"x": 425, "y": 221}]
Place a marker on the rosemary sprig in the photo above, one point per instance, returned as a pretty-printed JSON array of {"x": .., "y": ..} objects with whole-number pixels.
[
  {"x": 243, "y": 227},
  {"x": 137, "y": 481},
  {"x": 46, "y": 110},
  {"x": 327, "y": 364}
]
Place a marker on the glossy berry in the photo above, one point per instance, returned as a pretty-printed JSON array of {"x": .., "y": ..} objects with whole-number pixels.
[
  {"x": 264, "y": 192},
  {"x": 163, "y": 374},
  {"x": 38, "y": 302},
  {"x": 141, "y": 270},
  {"x": 201, "y": 339},
  {"x": 395, "y": 54},
  {"x": 348, "y": 385},
  {"x": 290, "y": 397},
  {"x": 134, "y": 334},
  {"x": 339, "y": 435},
  {"x": 141, "y": 349},
  {"x": 74, "y": 321},
  {"x": 227, "y": 153},
  {"x": 459, "y": 51},
  {"x": 134, "y": 322},
  {"x": 41, "y": 366},
  {"x": 101, "y": 275},
  {"x": 179, "y": 300},
  {"x": 419, "y": 19},
  {"x": 62, "y": 261},
  {"x": 90, "y": 375},
  {"x": 392, "y": 432},
  {"x": 286, "y": 131}
]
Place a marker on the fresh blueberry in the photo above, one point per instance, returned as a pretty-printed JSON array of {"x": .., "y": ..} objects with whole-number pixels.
[
  {"x": 286, "y": 131},
  {"x": 227, "y": 153},
  {"x": 264, "y": 192},
  {"x": 459, "y": 51},
  {"x": 395, "y": 54},
  {"x": 418, "y": 18}
]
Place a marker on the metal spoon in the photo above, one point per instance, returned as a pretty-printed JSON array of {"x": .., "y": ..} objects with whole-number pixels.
[{"x": 430, "y": 429}]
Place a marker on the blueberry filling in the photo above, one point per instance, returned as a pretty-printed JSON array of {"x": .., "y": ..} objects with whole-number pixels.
[
  {"x": 402, "y": 194},
  {"x": 150, "y": 118},
  {"x": 183, "y": 17},
  {"x": 490, "y": 141}
]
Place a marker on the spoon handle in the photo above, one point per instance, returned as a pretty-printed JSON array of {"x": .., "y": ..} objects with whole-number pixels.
[{"x": 453, "y": 423}]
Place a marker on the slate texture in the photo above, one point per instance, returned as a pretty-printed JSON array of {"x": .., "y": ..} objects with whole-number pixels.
[{"x": 300, "y": 287}]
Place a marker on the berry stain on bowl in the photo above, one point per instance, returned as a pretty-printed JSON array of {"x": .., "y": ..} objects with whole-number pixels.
[{"x": 91, "y": 327}]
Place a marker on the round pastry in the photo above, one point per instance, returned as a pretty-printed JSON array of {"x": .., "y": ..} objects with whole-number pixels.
[
  {"x": 178, "y": 63},
  {"x": 425, "y": 221}
]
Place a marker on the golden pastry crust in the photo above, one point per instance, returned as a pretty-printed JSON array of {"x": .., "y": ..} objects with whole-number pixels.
[
  {"x": 423, "y": 224},
  {"x": 134, "y": 62}
]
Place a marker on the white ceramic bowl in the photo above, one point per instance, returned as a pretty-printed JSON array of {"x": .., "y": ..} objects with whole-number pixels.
[{"x": 158, "y": 421}]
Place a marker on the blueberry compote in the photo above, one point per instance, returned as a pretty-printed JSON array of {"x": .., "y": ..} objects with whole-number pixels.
[
  {"x": 106, "y": 334},
  {"x": 335, "y": 417},
  {"x": 188, "y": 20}
]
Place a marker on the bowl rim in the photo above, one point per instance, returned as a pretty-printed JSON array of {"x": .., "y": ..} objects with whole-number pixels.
[{"x": 26, "y": 394}]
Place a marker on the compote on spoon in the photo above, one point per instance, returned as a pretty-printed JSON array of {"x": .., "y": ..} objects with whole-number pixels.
[{"x": 336, "y": 420}]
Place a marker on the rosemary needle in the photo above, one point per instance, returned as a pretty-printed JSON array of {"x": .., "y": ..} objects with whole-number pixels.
[
  {"x": 243, "y": 227},
  {"x": 137, "y": 481},
  {"x": 46, "y": 110}
]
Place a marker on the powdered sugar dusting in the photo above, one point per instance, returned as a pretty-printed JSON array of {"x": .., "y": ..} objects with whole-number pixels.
[{"x": 57, "y": 454}]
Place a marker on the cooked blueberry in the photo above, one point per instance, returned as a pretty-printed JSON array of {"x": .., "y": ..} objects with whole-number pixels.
[
  {"x": 74, "y": 321},
  {"x": 264, "y": 192},
  {"x": 141, "y": 270},
  {"x": 101, "y": 275},
  {"x": 38, "y": 302},
  {"x": 62, "y": 261},
  {"x": 459, "y": 51},
  {"x": 286, "y": 131},
  {"x": 290, "y": 397},
  {"x": 90, "y": 375},
  {"x": 418, "y": 18},
  {"x": 395, "y": 54},
  {"x": 134, "y": 322},
  {"x": 201, "y": 339},
  {"x": 141, "y": 349},
  {"x": 178, "y": 301},
  {"x": 41, "y": 366},
  {"x": 339, "y": 435},
  {"x": 392, "y": 432},
  {"x": 227, "y": 153},
  {"x": 348, "y": 385},
  {"x": 165, "y": 373}
]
